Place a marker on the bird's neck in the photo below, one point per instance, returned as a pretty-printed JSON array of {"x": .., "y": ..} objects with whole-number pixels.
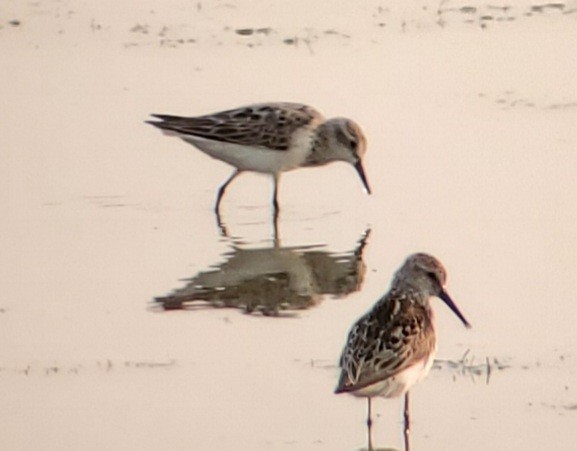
[
  {"x": 412, "y": 294},
  {"x": 317, "y": 155}
]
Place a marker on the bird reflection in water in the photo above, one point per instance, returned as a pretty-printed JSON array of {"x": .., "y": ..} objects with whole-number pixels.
[{"x": 275, "y": 281}]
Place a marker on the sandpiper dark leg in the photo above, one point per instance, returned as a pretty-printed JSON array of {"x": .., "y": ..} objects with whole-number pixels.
[
  {"x": 221, "y": 225},
  {"x": 369, "y": 425},
  {"x": 222, "y": 190},
  {"x": 276, "y": 179},
  {"x": 407, "y": 422}
]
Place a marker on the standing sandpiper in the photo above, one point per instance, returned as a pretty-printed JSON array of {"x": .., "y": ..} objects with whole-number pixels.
[
  {"x": 270, "y": 138},
  {"x": 393, "y": 346}
]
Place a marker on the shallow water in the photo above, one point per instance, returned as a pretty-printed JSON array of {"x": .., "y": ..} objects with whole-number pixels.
[{"x": 470, "y": 124}]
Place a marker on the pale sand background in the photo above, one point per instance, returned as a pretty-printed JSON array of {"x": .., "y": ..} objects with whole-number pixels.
[{"x": 471, "y": 116}]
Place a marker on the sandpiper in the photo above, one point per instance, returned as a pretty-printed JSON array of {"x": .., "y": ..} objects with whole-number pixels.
[
  {"x": 393, "y": 345},
  {"x": 270, "y": 138}
]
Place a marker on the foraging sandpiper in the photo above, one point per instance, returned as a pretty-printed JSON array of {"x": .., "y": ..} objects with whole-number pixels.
[{"x": 270, "y": 138}]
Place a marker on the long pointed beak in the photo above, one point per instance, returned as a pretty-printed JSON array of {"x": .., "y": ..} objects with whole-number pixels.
[
  {"x": 447, "y": 300},
  {"x": 361, "y": 172}
]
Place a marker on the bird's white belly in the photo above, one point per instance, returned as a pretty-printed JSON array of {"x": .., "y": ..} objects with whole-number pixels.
[{"x": 258, "y": 159}]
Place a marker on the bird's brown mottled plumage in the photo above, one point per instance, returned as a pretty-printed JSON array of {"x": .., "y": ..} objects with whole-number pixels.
[{"x": 397, "y": 335}]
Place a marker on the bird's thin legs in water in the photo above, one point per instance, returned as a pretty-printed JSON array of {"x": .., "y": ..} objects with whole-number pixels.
[
  {"x": 219, "y": 196},
  {"x": 276, "y": 179},
  {"x": 222, "y": 190},
  {"x": 407, "y": 422},
  {"x": 369, "y": 425}
]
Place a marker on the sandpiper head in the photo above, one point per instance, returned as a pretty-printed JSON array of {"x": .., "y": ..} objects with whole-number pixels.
[
  {"x": 344, "y": 140},
  {"x": 426, "y": 274}
]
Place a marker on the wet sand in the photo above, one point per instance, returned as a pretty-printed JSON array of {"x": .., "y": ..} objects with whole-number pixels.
[{"x": 470, "y": 115}]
